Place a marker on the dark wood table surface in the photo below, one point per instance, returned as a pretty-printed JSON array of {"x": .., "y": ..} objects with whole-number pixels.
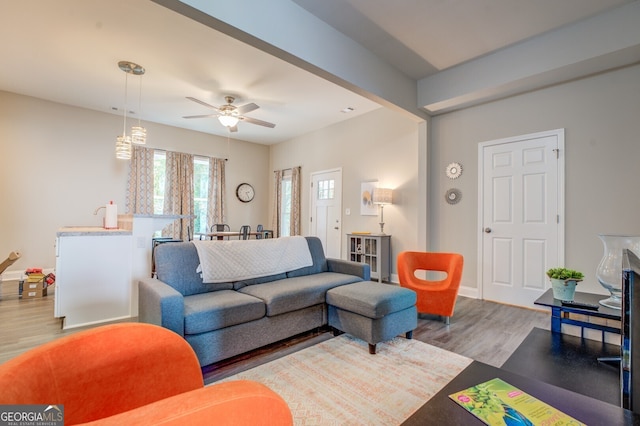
[
  {"x": 559, "y": 369},
  {"x": 569, "y": 362},
  {"x": 442, "y": 411}
]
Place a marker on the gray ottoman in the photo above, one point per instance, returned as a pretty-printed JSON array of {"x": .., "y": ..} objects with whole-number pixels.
[{"x": 373, "y": 312}]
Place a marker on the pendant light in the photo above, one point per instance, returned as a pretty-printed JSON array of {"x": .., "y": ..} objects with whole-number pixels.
[
  {"x": 139, "y": 133},
  {"x": 123, "y": 142}
]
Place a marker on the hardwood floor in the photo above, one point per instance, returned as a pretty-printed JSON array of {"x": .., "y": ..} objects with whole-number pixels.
[{"x": 485, "y": 331}]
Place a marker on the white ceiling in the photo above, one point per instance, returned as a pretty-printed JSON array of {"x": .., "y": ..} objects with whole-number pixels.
[{"x": 67, "y": 51}]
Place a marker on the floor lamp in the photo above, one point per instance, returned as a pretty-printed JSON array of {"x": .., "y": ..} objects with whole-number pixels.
[{"x": 382, "y": 197}]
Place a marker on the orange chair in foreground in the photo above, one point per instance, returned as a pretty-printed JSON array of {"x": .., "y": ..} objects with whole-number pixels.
[
  {"x": 434, "y": 297},
  {"x": 133, "y": 374}
]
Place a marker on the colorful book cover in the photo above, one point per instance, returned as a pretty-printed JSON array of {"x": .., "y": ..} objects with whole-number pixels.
[{"x": 497, "y": 403}]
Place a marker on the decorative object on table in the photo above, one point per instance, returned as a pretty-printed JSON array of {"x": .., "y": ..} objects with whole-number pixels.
[
  {"x": 245, "y": 192},
  {"x": 609, "y": 272},
  {"x": 453, "y": 196},
  {"x": 453, "y": 170},
  {"x": 382, "y": 197},
  {"x": 367, "y": 208},
  {"x": 564, "y": 282}
]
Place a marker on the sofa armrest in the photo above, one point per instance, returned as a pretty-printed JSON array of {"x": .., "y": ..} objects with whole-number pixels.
[
  {"x": 235, "y": 403},
  {"x": 361, "y": 270},
  {"x": 160, "y": 304}
]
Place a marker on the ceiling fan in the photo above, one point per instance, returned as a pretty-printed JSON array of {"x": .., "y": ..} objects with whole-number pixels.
[{"x": 229, "y": 114}]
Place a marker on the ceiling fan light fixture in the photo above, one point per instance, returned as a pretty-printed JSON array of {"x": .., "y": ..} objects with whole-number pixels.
[{"x": 228, "y": 120}]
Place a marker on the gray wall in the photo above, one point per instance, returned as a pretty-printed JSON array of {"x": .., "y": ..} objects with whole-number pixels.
[{"x": 601, "y": 118}]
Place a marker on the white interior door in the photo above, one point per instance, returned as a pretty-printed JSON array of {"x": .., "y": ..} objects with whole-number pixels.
[
  {"x": 521, "y": 215},
  {"x": 326, "y": 208}
]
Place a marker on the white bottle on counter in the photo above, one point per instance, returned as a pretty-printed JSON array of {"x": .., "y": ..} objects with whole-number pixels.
[{"x": 111, "y": 216}]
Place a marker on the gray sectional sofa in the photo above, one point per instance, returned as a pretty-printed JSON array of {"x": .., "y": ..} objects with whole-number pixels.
[{"x": 226, "y": 319}]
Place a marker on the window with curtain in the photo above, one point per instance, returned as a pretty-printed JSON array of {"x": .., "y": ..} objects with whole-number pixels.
[
  {"x": 286, "y": 214},
  {"x": 285, "y": 204},
  {"x": 163, "y": 182}
]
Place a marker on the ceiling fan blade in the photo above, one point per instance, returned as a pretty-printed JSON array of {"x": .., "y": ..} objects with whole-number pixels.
[
  {"x": 247, "y": 108},
  {"x": 198, "y": 101},
  {"x": 258, "y": 122},
  {"x": 200, "y": 116}
]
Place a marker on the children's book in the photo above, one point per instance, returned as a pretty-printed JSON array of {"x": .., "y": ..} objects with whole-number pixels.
[{"x": 497, "y": 403}]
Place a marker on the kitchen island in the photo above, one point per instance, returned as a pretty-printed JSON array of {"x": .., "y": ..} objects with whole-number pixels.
[{"x": 97, "y": 269}]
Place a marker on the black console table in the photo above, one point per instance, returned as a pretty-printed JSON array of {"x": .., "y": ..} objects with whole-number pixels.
[{"x": 560, "y": 313}]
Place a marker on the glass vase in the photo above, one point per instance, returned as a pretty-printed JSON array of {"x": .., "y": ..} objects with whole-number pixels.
[{"x": 609, "y": 272}]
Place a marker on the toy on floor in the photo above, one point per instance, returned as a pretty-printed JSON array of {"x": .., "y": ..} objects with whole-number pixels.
[{"x": 10, "y": 260}]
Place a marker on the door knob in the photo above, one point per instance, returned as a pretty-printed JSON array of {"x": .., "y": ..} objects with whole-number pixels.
[
  {"x": 487, "y": 230},
  {"x": 336, "y": 227}
]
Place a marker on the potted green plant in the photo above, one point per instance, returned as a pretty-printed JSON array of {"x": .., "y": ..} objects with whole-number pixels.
[{"x": 564, "y": 282}]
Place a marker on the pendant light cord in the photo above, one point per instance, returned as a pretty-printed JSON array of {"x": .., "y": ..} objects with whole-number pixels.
[{"x": 124, "y": 127}]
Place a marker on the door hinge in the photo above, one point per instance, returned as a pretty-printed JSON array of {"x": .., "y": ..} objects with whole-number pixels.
[
  {"x": 557, "y": 218},
  {"x": 557, "y": 151}
]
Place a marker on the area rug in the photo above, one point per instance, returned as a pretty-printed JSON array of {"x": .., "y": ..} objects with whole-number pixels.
[{"x": 337, "y": 382}]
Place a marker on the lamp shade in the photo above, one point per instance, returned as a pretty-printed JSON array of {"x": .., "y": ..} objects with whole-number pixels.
[
  {"x": 228, "y": 120},
  {"x": 382, "y": 196}
]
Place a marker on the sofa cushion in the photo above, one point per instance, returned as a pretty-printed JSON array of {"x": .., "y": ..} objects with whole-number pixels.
[
  {"x": 319, "y": 261},
  {"x": 239, "y": 284},
  {"x": 176, "y": 265},
  {"x": 296, "y": 293},
  {"x": 220, "y": 309}
]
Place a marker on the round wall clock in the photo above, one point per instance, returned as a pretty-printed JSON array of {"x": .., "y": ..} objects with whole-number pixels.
[
  {"x": 453, "y": 196},
  {"x": 454, "y": 170},
  {"x": 245, "y": 192}
]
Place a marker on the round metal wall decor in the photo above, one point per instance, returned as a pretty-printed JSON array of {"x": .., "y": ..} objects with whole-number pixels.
[
  {"x": 454, "y": 170},
  {"x": 453, "y": 196}
]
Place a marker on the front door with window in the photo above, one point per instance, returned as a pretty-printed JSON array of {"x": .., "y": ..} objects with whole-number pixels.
[{"x": 326, "y": 208}]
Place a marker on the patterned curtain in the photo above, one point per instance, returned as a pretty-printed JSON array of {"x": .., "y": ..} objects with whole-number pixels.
[
  {"x": 295, "y": 201},
  {"x": 277, "y": 183},
  {"x": 178, "y": 194},
  {"x": 140, "y": 181},
  {"x": 215, "y": 203}
]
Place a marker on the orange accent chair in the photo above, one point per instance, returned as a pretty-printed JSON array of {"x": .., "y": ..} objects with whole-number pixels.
[
  {"x": 434, "y": 297},
  {"x": 133, "y": 374}
]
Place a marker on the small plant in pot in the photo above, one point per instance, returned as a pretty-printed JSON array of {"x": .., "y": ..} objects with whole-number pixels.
[{"x": 563, "y": 282}]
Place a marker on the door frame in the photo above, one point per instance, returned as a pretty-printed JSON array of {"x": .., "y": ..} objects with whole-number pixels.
[
  {"x": 559, "y": 134},
  {"x": 312, "y": 199}
]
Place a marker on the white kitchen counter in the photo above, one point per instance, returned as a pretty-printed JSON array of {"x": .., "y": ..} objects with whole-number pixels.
[{"x": 93, "y": 231}]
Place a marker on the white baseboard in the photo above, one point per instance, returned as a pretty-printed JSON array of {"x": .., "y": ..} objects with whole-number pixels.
[{"x": 471, "y": 292}]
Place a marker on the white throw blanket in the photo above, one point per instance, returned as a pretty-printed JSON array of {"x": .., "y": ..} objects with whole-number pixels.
[{"x": 224, "y": 261}]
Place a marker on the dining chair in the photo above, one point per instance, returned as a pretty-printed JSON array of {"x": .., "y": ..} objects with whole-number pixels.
[
  {"x": 259, "y": 230},
  {"x": 435, "y": 296},
  {"x": 244, "y": 232},
  {"x": 220, "y": 227}
]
